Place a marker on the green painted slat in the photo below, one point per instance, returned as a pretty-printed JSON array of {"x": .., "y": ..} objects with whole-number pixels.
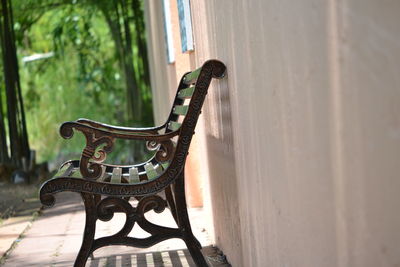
[
  {"x": 192, "y": 76},
  {"x": 150, "y": 171},
  {"x": 66, "y": 170},
  {"x": 173, "y": 125},
  {"x": 165, "y": 164},
  {"x": 180, "y": 110},
  {"x": 159, "y": 169},
  {"x": 186, "y": 93},
  {"x": 76, "y": 173},
  {"x": 133, "y": 176},
  {"x": 116, "y": 176}
]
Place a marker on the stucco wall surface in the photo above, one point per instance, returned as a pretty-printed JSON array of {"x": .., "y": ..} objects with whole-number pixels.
[
  {"x": 314, "y": 94},
  {"x": 303, "y": 136}
]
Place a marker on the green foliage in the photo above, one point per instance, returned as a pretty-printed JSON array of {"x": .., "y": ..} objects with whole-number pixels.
[{"x": 81, "y": 78}]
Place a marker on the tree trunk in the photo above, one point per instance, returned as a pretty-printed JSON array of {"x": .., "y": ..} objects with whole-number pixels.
[
  {"x": 141, "y": 40},
  {"x": 18, "y": 138},
  {"x": 129, "y": 69},
  {"x": 4, "y": 157},
  {"x": 21, "y": 114},
  {"x": 125, "y": 57}
]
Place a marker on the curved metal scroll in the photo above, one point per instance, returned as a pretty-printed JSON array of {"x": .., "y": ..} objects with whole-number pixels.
[
  {"x": 90, "y": 170},
  {"x": 108, "y": 206},
  {"x": 165, "y": 149}
]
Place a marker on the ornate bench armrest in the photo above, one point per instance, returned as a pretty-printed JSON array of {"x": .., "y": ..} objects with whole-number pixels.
[
  {"x": 99, "y": 142},
  {"x": 95, "y": 124}
]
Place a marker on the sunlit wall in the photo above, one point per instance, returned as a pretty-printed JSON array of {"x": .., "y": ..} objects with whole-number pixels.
[{"x": 303, "y": 137}]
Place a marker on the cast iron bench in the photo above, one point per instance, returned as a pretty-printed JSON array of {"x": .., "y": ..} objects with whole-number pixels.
[{"x": 106, "y": 188}]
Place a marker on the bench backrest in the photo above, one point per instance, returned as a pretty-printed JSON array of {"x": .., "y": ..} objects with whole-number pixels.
[
  {"x": 190, "y": 95},
  {"x": 188, "y": 103}
]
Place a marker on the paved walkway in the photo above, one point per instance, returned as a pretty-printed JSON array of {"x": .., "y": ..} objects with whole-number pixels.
[{"x": 54, "y": 239}]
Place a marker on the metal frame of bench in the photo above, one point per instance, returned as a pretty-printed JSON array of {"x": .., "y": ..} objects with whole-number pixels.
[{"x": 106, "y": 188}]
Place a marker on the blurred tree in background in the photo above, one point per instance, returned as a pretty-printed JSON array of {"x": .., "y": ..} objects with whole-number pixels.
[
  {"x": 78, "y": 58},
  {"x": 18, "y": 139}
]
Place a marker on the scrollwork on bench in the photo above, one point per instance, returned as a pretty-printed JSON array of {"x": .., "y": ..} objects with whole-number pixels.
[
  {"x": 108, "y": 206},
  {"x": 165, "y": 149},
  {"x": 99, "y": 143},
  {"x": 90, "y": 170}
]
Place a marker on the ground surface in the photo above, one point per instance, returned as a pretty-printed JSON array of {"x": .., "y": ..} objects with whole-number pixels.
[
  {"x": 19, "y": 205},
  {"x": 15, "y": 199}
]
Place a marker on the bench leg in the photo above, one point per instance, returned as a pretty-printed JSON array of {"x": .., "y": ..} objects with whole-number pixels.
[
  {"x": 90, "y": 228},
  {"x": 192, "y": 243}
]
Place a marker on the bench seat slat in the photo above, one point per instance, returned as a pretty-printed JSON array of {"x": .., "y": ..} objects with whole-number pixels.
[
  {"x": 66, "y": 170},
  {"x": 159, "y": 169},
  {"x": 150, "y": 171},
  {"x": 173, "y": 125},
  {"x": 180, "y": 110},
  {"x": 165, "y": 164},
  {"x": 186, "y": 93},
  {"x": 116, "y": 176},
  {"x": 133, "y": 176}
]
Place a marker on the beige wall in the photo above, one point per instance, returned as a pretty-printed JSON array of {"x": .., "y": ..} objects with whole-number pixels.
[
  {"x": 303, "y": 137},
  {"x": 164, "y": 79}
]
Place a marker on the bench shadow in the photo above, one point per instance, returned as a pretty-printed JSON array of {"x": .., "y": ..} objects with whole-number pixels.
[{"x": 174, "y": 258}]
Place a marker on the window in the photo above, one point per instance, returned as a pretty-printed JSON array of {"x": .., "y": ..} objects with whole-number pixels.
[
  {"x": 185, "y": 24},
  {"x": 168, "y": 32}
]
